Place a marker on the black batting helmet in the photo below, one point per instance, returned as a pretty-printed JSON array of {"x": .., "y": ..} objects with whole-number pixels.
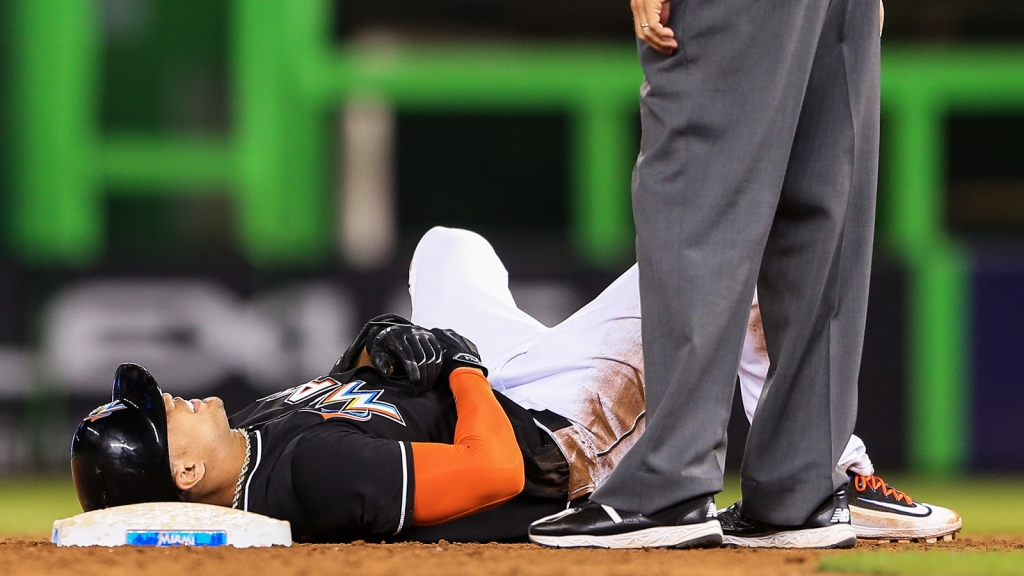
[{"x": 119, "y": 453}]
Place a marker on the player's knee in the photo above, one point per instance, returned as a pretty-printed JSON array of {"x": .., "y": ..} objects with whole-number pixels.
[
  {"x": 441, "y": 244},
  {"x": 434, "y": 241},
  {"x": 441, "y": 236}
]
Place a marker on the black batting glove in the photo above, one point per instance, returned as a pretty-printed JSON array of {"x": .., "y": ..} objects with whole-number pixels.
[
  {"x": 459, "y": 351},
  {"x": 407, "y": 351},
  {"x": 350, "y": 358}
]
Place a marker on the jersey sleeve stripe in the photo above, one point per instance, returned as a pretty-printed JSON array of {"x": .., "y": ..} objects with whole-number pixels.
[{"x": 405, "y": 487}]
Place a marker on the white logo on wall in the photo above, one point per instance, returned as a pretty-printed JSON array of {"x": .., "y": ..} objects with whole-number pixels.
[{"x": 192, "y": 334}]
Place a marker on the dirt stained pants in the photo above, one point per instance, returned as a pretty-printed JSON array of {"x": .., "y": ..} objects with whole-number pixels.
[{"x": 588, "y": 368}]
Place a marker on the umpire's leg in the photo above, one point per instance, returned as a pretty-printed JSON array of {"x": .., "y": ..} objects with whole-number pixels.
[
  {"x": 814, "y": 277},
  {"x": 719, "y": 120}
]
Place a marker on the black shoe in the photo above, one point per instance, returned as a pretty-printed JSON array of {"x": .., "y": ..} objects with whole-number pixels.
[
  {"x": 691, "y": 524},
  {"x": 828, "y": 527}
]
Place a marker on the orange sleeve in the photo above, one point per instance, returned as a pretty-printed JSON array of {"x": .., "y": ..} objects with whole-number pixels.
[{"x": 481, "y": 470}]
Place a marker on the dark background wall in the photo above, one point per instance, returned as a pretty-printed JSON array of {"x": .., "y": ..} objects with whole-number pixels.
[
  {"x": 918, "y": 20},
  {"x": 166, "y": 69}
]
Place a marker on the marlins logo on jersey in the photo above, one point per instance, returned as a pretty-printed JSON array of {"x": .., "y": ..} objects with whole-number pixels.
[
  {"x": 302, "y": 392},
  {"x": 339, "y": 400},
  {"x": 351, "y": 401}
]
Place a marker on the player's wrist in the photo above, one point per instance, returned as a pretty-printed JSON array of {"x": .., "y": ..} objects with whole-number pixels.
[
  {"x": 465, "y": 377},
  {"x": 458, "y": 352},
  {"x": 468, "y": 370}
]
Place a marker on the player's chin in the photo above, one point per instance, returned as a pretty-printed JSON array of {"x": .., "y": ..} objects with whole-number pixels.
[
  {"x": 217, "y": 405},
  {"x": 213, "y": 407}
]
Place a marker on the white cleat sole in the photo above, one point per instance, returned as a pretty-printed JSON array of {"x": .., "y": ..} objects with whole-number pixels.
[
  {"x": 704, "y": 535},
  {"x": 928, "y": 535},
  {"x": 838, "y": 536}
]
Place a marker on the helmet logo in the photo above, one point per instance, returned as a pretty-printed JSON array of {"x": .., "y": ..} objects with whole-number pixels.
[{"x": 104, "y": 411}]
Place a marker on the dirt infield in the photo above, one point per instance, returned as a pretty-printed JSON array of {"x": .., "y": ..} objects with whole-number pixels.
[{"x": 34, "y": 557}]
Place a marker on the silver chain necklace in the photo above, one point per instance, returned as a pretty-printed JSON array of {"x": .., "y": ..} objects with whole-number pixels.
[{"x": 245, "y": 468}]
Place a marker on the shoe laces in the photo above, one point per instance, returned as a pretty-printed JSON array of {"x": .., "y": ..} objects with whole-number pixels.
[{"x": 862, "y": 483}]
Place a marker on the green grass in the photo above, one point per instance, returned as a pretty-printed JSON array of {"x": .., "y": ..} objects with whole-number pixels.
[
  {"x": 927, "y": 563},
  {"x": 28, "y": 506}
]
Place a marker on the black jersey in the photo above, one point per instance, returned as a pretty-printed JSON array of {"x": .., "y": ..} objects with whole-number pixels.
[{"x": 333, "y": 457}]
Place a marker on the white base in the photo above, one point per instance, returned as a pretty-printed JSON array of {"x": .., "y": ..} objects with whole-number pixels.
[
  {"x": 661, "y": 537},
  {"x": 836, "y": 536},
  {"x": 171, "y": 524}
]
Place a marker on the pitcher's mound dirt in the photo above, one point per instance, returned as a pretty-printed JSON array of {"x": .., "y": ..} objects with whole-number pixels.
[{"x": 35, "y": 557}]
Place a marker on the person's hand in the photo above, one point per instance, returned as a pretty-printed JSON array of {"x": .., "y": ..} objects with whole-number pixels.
[
  {"x": 459, "y": 352},
  {"x": 649, "y": 20},
  {"x": 881, "y": 16},
  {"x": 407, "y": 351}
]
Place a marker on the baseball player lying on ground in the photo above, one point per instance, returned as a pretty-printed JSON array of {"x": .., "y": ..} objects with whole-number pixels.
[{"x": 412, "y": 437}]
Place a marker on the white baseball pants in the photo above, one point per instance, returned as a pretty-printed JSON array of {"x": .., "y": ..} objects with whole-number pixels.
[{"x": 588, "y": 369}]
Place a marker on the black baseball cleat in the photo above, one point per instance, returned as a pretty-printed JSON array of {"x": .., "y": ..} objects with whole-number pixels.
[
  {"x": 828, "y": 527},
  {"x": 691, "y": 524},
  {"x": 880, "y": 512}
]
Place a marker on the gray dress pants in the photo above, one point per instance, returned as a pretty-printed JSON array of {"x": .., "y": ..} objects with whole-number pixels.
[{"x": 758, "y": 166}]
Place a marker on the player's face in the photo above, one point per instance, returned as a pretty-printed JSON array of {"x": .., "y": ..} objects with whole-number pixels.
[{"x": 196, "y": 427}]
